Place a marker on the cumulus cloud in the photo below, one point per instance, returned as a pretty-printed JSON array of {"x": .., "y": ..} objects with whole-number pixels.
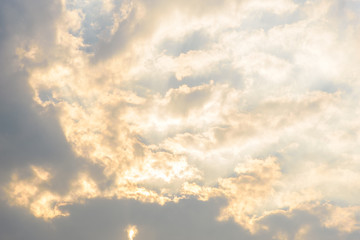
[{"x": 251, "y": 102}]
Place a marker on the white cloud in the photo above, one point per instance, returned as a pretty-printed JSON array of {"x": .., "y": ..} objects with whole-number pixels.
[{"x": 165, "y": 126}]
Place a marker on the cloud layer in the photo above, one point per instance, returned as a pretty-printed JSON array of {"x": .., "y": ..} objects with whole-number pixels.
[{"x": 244, "y": 108}]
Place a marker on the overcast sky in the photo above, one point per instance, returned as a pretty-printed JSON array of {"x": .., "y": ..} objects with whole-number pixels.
[{"x": 179, "y": 119}]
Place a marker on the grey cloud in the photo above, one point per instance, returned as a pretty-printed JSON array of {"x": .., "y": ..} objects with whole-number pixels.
[
  {"x": 182, "y": 101},
  {"x": 292, "y": 224},
  {"x": 122, "y": 38},
  {"x": 16, "y": 223},
  {"x": 189, "y": 219},
  {"x": 25, "y": 20},
  {"x": 29, "y": 134},
  {"x": 107, "y": 219},
  {"x": 193, "y": 41}
]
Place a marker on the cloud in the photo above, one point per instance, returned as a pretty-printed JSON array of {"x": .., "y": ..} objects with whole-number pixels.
[
  {"x": 162, "y": 102},
  {"x": 108, "y": 219}
]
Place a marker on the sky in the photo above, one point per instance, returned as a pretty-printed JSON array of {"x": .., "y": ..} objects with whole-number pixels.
[{"x": 179, "y": 119}]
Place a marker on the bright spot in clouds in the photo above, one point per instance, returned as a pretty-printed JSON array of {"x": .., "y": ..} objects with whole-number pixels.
[
  {"x": 131, "y": 231},
  {"x": 166, "y": 102}
]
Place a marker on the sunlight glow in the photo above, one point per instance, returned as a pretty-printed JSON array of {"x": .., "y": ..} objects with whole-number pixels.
[{"x": 131, "y": 231}]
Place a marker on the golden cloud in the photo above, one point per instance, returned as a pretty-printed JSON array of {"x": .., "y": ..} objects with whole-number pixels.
[{"x": 158, "y": 139}]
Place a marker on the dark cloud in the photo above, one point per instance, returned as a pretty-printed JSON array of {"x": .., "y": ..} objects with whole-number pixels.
[
  {"x": 293, "y": 223},
  {"x": 26, "y": 21},
  {"x": 15, "y": 223},
  {"x": 29, "y": 134},
  {"x": 108, "y": 219},
  {"x": 189, "y": 219},
  {"x": 197, "y": 40}
]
